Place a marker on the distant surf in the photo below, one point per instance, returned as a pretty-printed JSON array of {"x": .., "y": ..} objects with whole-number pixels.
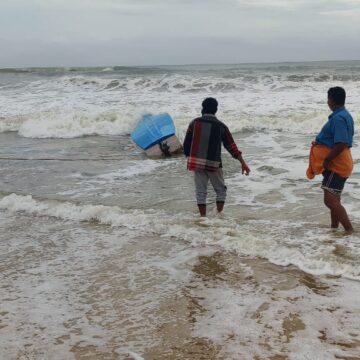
[{"x": 66, "y": 103}]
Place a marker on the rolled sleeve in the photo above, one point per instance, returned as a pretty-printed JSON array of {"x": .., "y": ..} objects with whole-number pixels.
[{"x": 229, "y": 144}]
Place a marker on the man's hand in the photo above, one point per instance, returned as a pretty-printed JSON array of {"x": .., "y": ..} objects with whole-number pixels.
[
  {"x": 335, "y": 151},
  {"x": 327, "y": 164},
  {"x": 244, "y": 168}
]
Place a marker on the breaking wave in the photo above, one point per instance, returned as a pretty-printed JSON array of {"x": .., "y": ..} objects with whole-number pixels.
[
  {"x": 110, "y": 101},
  {"x": 71, "y": 124},
  {"x": 226, "y": 233},
  {"x": 67, "y": 124}
]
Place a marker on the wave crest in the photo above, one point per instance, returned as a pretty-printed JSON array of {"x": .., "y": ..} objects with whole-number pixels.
[
  {"x": 226, "y": 233},
  {"x": 70, "y": 124}
]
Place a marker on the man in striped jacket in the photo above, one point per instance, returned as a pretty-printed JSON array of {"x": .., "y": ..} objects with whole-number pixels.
[{"x": 202, "y": 147}]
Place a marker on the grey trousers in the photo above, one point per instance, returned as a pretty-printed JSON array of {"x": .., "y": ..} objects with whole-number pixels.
[{"x": 216, "y": 178}]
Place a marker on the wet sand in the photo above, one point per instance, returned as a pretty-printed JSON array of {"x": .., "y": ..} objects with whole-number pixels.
[
  {"x": 59, "y": 303},
  {"x": 220, "y": 270}
]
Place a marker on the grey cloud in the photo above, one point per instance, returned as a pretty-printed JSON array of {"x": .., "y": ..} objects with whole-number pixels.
[
  {"x": 118, "y": 31},
  {"x": 178, "y": 51}
]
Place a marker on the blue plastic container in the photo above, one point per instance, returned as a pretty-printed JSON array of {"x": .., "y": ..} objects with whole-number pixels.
[{"x": 153, "y": 129}]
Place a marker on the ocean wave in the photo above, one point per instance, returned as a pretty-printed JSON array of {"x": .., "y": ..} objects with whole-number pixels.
[
  {"x": 307, "y": 122},
  {"x": 226, "y": 233},
  {"x": 107, "y": 215},
  {"x": 83, "y": 81},
  {"x": 174, "y": 83},
  {"x": 113, "y": 84},
  {"x": 60, "y": 123},
  {"x": 11, "y": 123},
  {"x": 98, "y": 102},
  {"x": 14, "y": 71},
  {"x": 70, "y": 124},
  {"x": 318, "y": 78}
]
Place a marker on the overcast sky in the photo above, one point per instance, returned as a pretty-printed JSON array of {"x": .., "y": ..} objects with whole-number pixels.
[{"x": 148, "y": 32}]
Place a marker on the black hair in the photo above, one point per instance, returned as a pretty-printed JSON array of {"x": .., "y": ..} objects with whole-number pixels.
[
  {"x": 337, "y": 94},
  {"x": 209, "y": 106}
]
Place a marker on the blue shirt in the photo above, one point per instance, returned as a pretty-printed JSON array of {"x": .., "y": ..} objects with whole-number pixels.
[{"x": 338, "y": 129}]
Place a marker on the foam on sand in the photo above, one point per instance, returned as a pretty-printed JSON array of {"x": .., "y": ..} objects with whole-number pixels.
[{"x": 278, "y": 312}]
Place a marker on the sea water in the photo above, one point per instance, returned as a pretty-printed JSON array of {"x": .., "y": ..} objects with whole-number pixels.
[{"x": 103, "y": 255}]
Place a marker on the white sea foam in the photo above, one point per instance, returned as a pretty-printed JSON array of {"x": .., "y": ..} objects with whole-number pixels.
[
  {"x": 115, "y": 216},
  {"x": 292, "y": 321},
  {"x": 54, "y": 124},
  {"x": 281, "y": 242},
  {"x": 111, "y": 103},
  {"x": 135, "y": 356},
  {"x": 107, "y": 69},
  {"x": 12, "y": 123}
]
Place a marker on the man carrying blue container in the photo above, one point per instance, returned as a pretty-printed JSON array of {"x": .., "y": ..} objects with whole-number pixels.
[{"x": 202, "y": 147}]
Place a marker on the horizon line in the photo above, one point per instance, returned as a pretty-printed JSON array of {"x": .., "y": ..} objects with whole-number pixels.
[{"x": 183, "y": 64}]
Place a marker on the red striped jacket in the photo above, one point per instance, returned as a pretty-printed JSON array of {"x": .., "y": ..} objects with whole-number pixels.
[{"x": 202, "y": 144}]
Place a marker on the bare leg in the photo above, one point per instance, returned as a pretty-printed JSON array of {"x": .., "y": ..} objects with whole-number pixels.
[
  {"x": 338, "y": 212},
  {"x": 334, "y": 220},
  {"x": 220, "y": 206},
  {"x": 202, "y": 210}
]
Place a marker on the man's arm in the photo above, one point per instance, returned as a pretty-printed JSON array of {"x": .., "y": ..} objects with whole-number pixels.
[
  {"x": 244, "y": 167},
  {"x": 188, "y": 140},
  {"x": 335, "y": 151},
  {"x": 231, "y": 147}
]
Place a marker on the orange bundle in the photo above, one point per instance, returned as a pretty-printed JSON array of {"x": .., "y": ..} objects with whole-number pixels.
[{"x": 341, "y": 165}]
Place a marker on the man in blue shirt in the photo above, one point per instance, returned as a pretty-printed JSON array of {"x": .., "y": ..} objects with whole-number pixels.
[{"x": 336, "y": 134}]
